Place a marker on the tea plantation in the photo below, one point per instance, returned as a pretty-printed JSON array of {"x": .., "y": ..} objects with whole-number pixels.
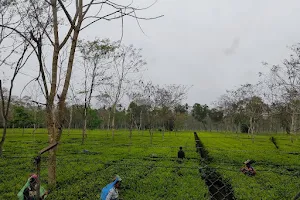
[
  {"x": 148, "y": 171},
  {"x": 151, "y": 171},
  {"x": 278, "y": 170}
]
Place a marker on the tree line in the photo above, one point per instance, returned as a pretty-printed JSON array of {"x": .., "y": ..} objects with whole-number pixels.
[
  {"x": 271, "y": 105},
  {"x": 154, "y": 107}
]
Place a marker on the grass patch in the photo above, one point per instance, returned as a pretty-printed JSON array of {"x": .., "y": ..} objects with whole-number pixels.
[
  {"x": 277, "y": 169},
  {"x": 148, "y": 171}
]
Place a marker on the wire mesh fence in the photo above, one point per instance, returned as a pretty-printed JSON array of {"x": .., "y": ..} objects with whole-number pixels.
[{"x": 153, "y": 171}]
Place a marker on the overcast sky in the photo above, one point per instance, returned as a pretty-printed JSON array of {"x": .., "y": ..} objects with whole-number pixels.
[{"x": 212, "y": 45}]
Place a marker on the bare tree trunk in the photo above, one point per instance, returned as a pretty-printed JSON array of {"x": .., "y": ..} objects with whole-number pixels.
[
  {"x": 52, "y": 168},
  {"x": 251, "y": 129},
  {"x": 150, "y": 128},
  {"x": 204, "y": 126},
  {"x": 34, "y": 129},
  {"x": 56, "y": 132},
  {"x": 84, "y": 127},
  {"x": 141, "y": 120},
  {"x": 108, "y": 121},
  {"x": 163, "y": 131},
  {"x": 252, "y": 134},
  {"x": 34, "y": 125},
  {"x": 135, "y": 124},
  {"x": 113, "y": 121},
  {"x": 271, "y": 125},
  {"x": 52, "y": 132},
  {"x": 227, "y": 127},
  {"x": 70, "y": 120},
  {"x": 292, "y": 127},
  {"x": 151, "y": 135},
  {"x": 102, "y": 126},
  {"x": 130, "y": 131},
  {"x": 51, "y": 123},
  {"x": 84, "y": 124},
  {"x": 131, "y": 124},
  {"x": 250, "y": 126},
  {"x": 4, "y": 131}
]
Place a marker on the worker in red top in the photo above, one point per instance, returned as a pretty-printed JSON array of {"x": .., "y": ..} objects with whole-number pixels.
[{"x": 248, "y": 169}]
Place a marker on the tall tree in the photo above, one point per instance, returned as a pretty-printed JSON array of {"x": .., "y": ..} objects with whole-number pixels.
[
  {"x": 180, "y": 114},
  {"x": 132, "y": 110},
  {"x": 95, "y": 56},
  {"x": 94, "y": 120},
  {"x": 286, "y": 78},
  {"x": 126, "y": 65},
  {"x": 137, "y": 108},
  {"x": 33, "y": 103},
  {"x": 6, "y": 97},
  {"x": 281, "y": 111},
  {"x": 216, "y": 116},
  {"x": 145, "y": 99},
  {"x": 14, "y": 55},
  {"x": 200, "y": 113},
  {"x": 41, "y": 25},
  {"x": 252, "y": 104},
  {"x": 105, "y": 100},
  {"x": 166, "y": 99},
  {"x": 21, "y": 117}
]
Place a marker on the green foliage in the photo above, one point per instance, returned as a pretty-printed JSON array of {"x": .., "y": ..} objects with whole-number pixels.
[
  {"x": 277, "y": 169},
  {"x": 21, "y": 117},
  {"x": 93, "y": 120},
  {"x": 82, "y": 175},
  {"x": 244, "y": 128},
  {"x": 151, "y": 171},
  {"x": 180, "y": 119},
  {"x": 40, "y": 117},
  {"x": 200, "y": 112},
  {"x": 96, "y": 49},
  {"x": 283, "y": 113},
  {"x": 215, "y": 115},
  {"x": 238, "y": 114},
  {"x": 180, "y": 109}
]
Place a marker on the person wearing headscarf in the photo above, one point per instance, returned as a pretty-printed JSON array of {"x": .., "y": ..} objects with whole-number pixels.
[
  {"x": 29, "y": 190},
  {"x": 248, "y": 169},
  {"x": 113, "y": 193},
  {"x": 110, "y": 191}
]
